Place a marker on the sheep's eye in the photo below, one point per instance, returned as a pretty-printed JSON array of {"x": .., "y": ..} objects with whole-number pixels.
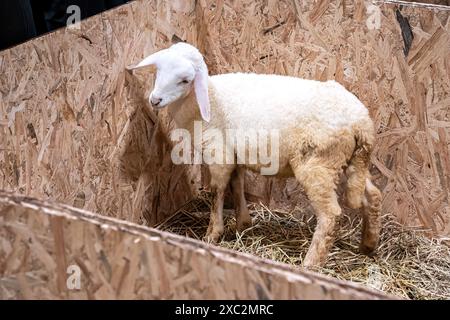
[{"x": 184, "y": 81}]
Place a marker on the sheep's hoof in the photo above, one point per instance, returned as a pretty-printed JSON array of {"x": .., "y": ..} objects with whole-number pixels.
[
  {"x": 243, "y": 225},
  {"x": 367, "y": 250},
  {"x": 211, "y": 238},
  {"x": 310, "y": 266},
  {"x": 313, "y": 262}
]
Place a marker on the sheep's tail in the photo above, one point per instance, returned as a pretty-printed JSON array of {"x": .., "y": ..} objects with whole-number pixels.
[{"x": 358, "y": 170}]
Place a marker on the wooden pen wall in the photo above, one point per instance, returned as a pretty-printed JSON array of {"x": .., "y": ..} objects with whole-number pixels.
[
  {"x": 46, "y": 248},
  {"x": 75, "y": 127}
]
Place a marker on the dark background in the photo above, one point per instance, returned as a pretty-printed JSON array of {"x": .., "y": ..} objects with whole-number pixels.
[{"x": 21, "y": 20}]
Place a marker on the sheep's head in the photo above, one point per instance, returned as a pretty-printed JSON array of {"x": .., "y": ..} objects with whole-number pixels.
[{"x": 180, "y": 69}]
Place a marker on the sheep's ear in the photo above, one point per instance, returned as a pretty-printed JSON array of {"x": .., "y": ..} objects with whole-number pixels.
[
  {"x": 150, "y": 60},
  {"x": 201, "y": 92}
]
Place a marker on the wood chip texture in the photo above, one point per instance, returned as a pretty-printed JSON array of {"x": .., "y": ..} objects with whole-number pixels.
[
  {"x": 75, "y": 127},
  {"x": 42, "y": 243}
]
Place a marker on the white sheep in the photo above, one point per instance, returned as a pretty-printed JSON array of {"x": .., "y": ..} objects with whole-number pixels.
[{"x": 323, "y": 130}]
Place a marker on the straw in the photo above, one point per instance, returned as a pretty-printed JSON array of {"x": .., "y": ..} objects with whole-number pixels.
[{"x": 407, "y": 263}]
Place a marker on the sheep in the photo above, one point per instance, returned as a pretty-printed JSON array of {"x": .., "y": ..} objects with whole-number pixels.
[{"x": 324, "y": 132}]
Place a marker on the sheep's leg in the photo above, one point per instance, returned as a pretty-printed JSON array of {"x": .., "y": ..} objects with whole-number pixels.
[
  {"x": 320, "y": 186},
  {"x": 371, "y": 219},
  {"x": 220, "y": 177},
  {"x": 327, "y": 212},
  {"x": 243, "y": 219}
]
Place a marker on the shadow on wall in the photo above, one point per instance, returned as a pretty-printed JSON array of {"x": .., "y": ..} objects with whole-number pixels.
[{"x": 21, "y": 20}]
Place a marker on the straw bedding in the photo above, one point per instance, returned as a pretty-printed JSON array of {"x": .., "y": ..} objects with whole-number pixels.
[{"x": 407, "y": 264}]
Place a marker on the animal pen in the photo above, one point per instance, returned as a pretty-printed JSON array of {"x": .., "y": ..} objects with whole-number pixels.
[{"x": 88, "y": 180}]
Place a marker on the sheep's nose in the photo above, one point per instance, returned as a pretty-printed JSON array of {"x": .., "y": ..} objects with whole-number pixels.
[{"x": 155, "y": 101}]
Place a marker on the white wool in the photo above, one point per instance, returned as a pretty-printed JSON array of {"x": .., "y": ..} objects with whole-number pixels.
[{"x": 262, "y": 101}]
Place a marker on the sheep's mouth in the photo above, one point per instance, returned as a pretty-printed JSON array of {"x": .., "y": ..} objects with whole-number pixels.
[{"x": 159, "y": 107}]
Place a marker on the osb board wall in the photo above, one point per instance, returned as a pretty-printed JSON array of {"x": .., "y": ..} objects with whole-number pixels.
[
  {"x": 101, "y": 122},
  {"x": 121, "y": 260},
  {"x": 74, "y": 129},
  {"x": 438, "y": 2},
  {"x": 407, "y": 91}
]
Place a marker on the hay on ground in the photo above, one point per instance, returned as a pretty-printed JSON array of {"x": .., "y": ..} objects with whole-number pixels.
[{"x": 407, "y": 264}]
